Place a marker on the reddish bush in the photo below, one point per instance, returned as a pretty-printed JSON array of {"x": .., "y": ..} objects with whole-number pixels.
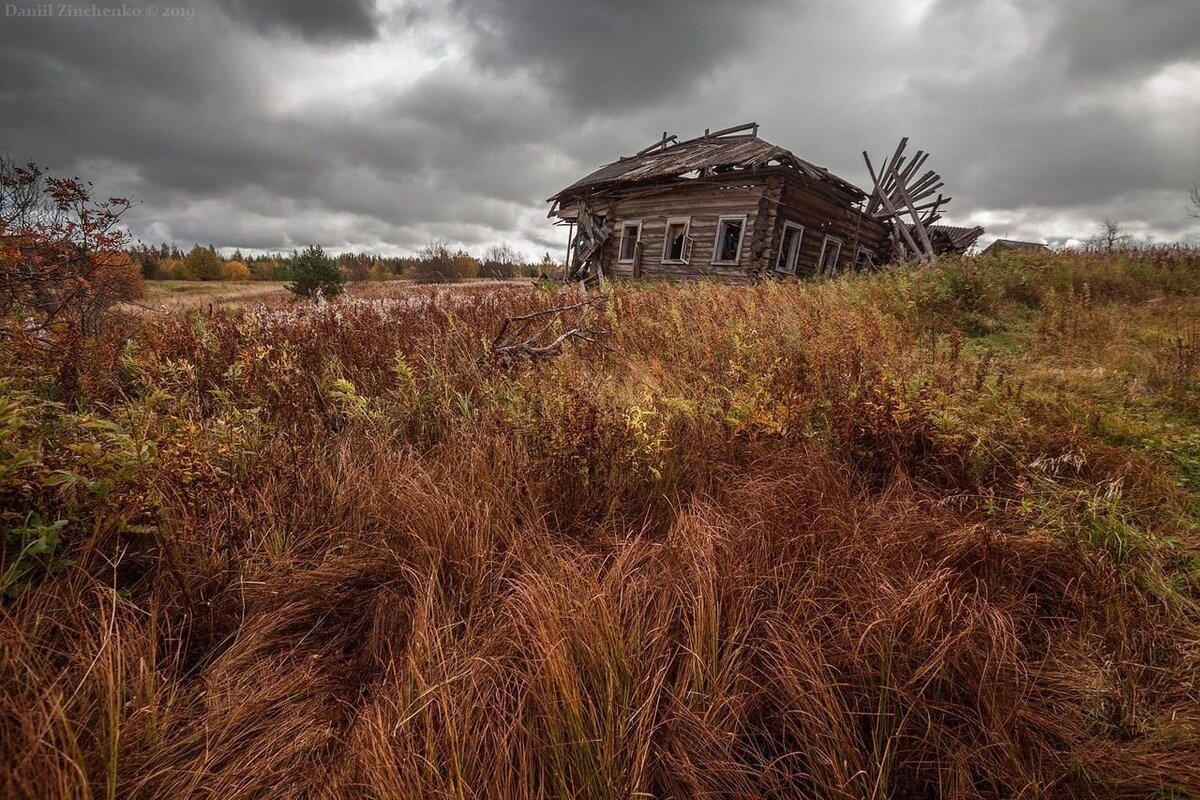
[{"x": 62, "y": 259}]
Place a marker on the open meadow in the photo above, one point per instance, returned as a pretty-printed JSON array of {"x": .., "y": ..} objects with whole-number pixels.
[
  {"x": 926, "y": 533},
  {"x": 173, "y": 297},
  {"x": 178, "y": 296}
]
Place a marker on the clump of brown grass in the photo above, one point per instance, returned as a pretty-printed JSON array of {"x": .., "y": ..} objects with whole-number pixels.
[{"x": 778, "y": 542}]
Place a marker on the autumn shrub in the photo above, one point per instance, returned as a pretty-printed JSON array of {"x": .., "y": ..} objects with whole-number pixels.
[
  {"x": 965, "y": 296},
  {"x": 203, "y": 264},
  {"x": 837, "y": 539},
  {"x": 62, "y": 258},
  {"x": 174, "y": 269},
  {"x": 236, "y": 271}
]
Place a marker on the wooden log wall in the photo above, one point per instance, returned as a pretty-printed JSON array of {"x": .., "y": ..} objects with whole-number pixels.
[
  {"x": 767, "y": 199},
  {"x": 822, "y": 211},
  {"x": 761, "y": 258},
  {"x": 705, "y": 201}
]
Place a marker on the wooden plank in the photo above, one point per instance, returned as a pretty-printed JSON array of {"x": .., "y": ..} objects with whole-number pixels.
[
  {"x": 887, "y": 204},
  {"x": 889, "y": 166},
  {"x": 921, "y": 232},
  {"x": 659, "y": 145},
  {"x": 912, "y": 168}
]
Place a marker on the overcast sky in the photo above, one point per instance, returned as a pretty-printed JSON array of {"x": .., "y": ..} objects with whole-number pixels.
[{"x": 268, "y": 124}]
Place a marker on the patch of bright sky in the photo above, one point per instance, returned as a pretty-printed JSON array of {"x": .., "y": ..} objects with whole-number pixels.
[
  {"x": 358, "y": 76},
  {"x": 1170, "y": 96},
  {"x": 1067, "y": 226},
  {"x": 912, "y": 12}
]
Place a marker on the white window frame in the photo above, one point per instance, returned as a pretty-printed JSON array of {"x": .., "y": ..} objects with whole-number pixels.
[
  {"x": 629, "y": 223},
  {"x": 737, "y": 259},
  {"x": 687, "y": 240},
  {"x": 799, "y": 243},
  {"x": 870, "y": 254},
  {"x": 824, "y": 246}
]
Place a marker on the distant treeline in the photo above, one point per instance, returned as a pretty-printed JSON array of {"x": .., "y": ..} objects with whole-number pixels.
[{"x": 436, "y": 262}]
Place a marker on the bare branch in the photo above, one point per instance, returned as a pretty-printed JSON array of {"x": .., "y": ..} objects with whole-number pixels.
[{"x": 515, "y": 340}]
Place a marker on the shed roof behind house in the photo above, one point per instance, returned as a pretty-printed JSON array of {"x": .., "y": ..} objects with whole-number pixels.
[
  {"x": 714, "y": 153},
  {"x": 1013, "y": 244}
]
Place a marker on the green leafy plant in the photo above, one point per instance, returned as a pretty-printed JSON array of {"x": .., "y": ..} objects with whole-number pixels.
[{"x": 28, "y": 547}]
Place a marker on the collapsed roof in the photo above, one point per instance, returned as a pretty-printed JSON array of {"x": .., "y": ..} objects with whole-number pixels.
[
  {"x": 951, "y": 238},
  {"x": 721, "y": 152}
]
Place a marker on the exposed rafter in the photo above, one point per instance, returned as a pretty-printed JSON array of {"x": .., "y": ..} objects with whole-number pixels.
[{"x": 905, "y": 197}]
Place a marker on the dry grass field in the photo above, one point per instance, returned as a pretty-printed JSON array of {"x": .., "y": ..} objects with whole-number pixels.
[
  {"x": 176, "y": 296},
  {"x": 170, "y": 296},
  {"x": 931, "y": 533}
]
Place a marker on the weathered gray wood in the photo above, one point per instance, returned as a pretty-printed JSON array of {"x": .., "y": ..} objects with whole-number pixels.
[
  {"x": 659, "y": 145},
  {"x": 922, "y": 234},
  {"x": 760, "y": 182},
  {"x": 889, "y": 166},
  {"x": 747, "y": 126},
  {"x": 887, "y": 203}
]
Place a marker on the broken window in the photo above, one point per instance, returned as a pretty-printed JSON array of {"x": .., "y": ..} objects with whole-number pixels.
[
  {"x": 865, "y": 260},
  {"x": 675, "y": 248},
  {"x": 789, "y": 248},
  {"x": 830, "y": 250},
  {"x": 631, "y": 233},
  {"x": 728, "y": 246}
]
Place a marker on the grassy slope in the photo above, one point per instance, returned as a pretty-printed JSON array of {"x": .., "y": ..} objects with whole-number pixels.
[{"x": 907, "y": 535}]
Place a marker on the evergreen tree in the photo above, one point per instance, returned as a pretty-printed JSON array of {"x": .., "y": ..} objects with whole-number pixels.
[
  {"x": 148, "y": 260},
  {"x": 315, "y": 274}
]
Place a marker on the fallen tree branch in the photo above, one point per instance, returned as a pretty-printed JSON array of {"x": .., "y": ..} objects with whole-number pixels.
[{"x": 514, "y": 338}]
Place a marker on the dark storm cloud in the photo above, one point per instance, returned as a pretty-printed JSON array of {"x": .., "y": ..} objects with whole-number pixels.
[
  {"x": 1061, "y": 115},
  {"x": 1100, "y": 39},
  {"x": 314, "y": 20},
  {"x": 457, "y": 120},
  {"x": 619, "y": 54}
]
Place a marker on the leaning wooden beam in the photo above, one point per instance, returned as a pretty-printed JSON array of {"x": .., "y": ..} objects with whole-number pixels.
[
  {"x": 889, "y": 177},
  {"x": 887, "y": 169},
  {"x": 896, "y": 159},
  {"x": 902, "y": 170},
  {"x": 917, "y": 199},
  {"x": 933, "y": 208},
  {"x": 748, "y": 126},
  {"x": 911, "y": 169},
  {"x": 924, "y": 188},
  {"x": 922, "y": 184},
  {"x": 898, "y": 168},
  {"x": 916, "y": 217},
  {"x": 899, "y": 201},
  {"x": 570, "y": 247},
  {"x": 933, "y": 203},
  {"x": 887, "y": 203},
  {"x": 659, "y": 145}
]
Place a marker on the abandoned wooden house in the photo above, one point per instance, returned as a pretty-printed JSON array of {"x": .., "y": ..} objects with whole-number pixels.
[{"x": 730, "y": 206}]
